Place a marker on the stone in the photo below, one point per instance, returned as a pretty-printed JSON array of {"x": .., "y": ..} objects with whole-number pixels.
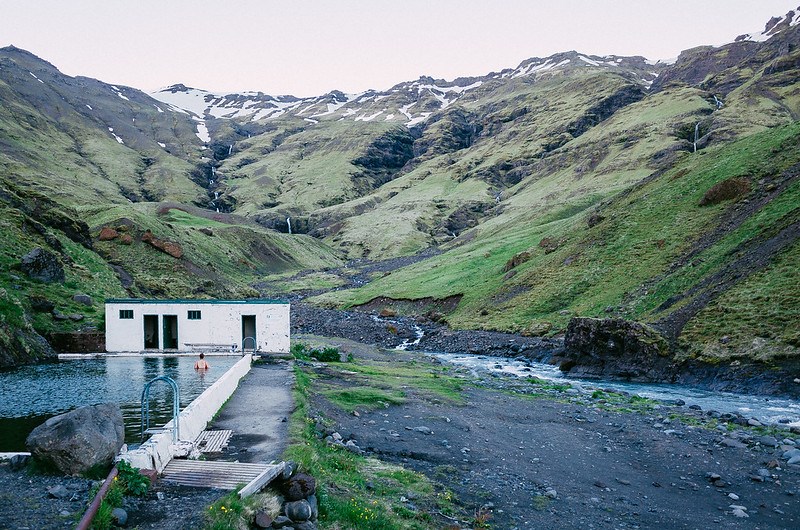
[
  {"x": 168, "y": 247},
  {"x": 730, "y": 442},
  {"x": 58, "y": 315},
  {"x": 752, "y": 422},
  {"x": 791, "y": 453},
  {"x": 305, "y": 525},
  {"x": 613, "y": 347},
  {"x": 107, "y": 234},
  {"x": 300, "y": 486},
  {"x": 126, "y": 239},
  {"x": 18, "y": 462},
  {"x": 282, "y": 522},
  {"x": 768, "y": 441},
  {"x": 794, "y": 460},
  {"x": 75, "y": 317},
  {"x": 78, "y": 440},
  {"x": 119, "y": 516},
  {"x": 39, "y": 264},
  {"x": 40, "y": 304},
  {"x": 263, "y": 520},
  {"x": 298, "y": 511},
  {"x": 551, "y": 493},
  {"x": 733, "y": 496},
  {"x": 207, "y": 231},
  {"x": 314, "y": 504},
  {"x": 288, "y": 470},
  {"x": 422, "y": 429},
  {"x": 84, "y": 299},
  {"x": 59, "y": 492}
]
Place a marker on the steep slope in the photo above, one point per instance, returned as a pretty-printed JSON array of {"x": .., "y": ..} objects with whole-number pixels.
[
  {"x": 707, "y": 223},
  {"x": 82, "y": 141}
]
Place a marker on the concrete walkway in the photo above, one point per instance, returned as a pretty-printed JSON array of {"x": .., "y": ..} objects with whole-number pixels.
[{"x": 257, "y": 413}]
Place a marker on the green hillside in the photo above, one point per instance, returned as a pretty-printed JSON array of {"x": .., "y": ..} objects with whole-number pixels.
[
  {"x": 569, "y": 186},
  {"x": 650, "y": 253}
]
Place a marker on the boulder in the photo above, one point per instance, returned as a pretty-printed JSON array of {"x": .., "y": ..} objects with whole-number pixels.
[
  {"x": 107, "y": 234},
  {"x": 39, "y": 264},
  {"x": 79, "y": 440},
  {"x": 84, "y": 299},
  {"x": 40, "y": 304},
  {"x": 300, "y": 486},
  {"x": 614, "y": 347},
  {"x": 168, "y": 247},
  {"x": 298, "y": 511}
]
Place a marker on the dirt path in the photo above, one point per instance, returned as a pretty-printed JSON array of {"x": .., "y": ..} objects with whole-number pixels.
[{"x": 560, "y": 460}]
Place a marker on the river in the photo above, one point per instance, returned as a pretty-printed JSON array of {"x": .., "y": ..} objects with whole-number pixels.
[{"x": 766, "y": 409}]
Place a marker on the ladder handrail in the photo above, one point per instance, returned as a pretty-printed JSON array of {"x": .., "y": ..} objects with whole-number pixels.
[
  {"x": 255, "y": 344},
  {"x": 145, "y": 424}
]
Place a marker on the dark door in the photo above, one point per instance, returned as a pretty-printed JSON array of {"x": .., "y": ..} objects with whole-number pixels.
[
  {"x": 249, "y": 332},
  {"x": 170, "y": 332},
  {"x": 150, "y": 332}
]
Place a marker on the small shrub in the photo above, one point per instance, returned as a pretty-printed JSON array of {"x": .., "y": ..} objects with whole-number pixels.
[
  {"x": 728, "y": 189},
  {"x": 326, "y": 355},
  {"x": 134, "y": 483}
]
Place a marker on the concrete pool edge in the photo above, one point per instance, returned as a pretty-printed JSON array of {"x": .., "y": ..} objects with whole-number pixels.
[{"x": 156, "y": 452}]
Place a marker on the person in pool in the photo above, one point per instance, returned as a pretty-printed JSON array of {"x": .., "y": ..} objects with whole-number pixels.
[{"x": 201, "y": 365}]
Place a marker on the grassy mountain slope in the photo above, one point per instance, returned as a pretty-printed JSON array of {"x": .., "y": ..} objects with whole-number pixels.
[{"x": 648, "y": 255}]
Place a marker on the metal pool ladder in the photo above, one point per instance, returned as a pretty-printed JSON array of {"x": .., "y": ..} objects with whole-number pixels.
[{"x": 176, "y": 395}]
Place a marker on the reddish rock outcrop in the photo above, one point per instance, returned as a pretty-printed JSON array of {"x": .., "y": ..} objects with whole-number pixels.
[
  {"x": 107, "y": 234},
  {"x": 168, "y": 247}
]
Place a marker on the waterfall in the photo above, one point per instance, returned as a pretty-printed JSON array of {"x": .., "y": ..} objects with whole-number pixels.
[
  {"x": 230, "y": 149},
  {"x": 718, "y": 102},
  {"x": 696, "y": 135},
  {"x": 216, "y": 195},
  {"x": 213, "y": 171},
  {"x": 289, "y": 224},
  {"x": 211, "y": 182},
  {"x": 407, "y": 343}
]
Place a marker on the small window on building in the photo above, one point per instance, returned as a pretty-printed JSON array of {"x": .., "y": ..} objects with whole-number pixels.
[
  {"x": 194, "y": 315},
  {"x": 126, "y": 313}
]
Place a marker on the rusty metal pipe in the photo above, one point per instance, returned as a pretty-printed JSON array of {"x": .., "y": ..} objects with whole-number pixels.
[{"x": 91, "y": 511}]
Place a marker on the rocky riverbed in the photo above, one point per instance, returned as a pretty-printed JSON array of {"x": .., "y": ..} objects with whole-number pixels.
[{"x": 537, "y": 455}]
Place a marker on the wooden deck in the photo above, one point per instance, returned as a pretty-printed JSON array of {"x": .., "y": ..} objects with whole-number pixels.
[
  {"x": 220, "y": 475},
  {"x": 213, "y": 441}
]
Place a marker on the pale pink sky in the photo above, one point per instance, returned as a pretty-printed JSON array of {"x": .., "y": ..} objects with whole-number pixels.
[{"x": 309, "y": 47}]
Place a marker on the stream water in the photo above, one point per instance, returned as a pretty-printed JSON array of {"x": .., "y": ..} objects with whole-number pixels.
[
  {"x": 29, "y": 395},
  {"x": 766, "y": 409}
]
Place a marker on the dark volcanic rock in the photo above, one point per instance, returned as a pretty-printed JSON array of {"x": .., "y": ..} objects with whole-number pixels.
[
  {"x": 39, "y": 264},
  {"x": 613, "y": 346},
  {"x": 300, "y": 487},
  {"x": 79, "y": 440}
]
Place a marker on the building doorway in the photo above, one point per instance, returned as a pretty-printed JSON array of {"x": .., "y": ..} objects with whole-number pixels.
[
  {"x": 151, "y": 332},
  {"x": 249, "y": 332},
  {"x": 170, "y": 332}
]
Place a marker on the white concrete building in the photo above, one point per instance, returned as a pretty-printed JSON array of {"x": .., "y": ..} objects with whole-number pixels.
[{"x": 134, "y": 325}]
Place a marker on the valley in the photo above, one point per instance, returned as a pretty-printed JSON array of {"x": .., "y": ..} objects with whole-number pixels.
[{"x": 572, "y": 186}]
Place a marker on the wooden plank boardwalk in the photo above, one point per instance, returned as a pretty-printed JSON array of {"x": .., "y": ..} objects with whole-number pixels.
[
  {"x": 215, "y": 474},
  {"x": 213, "y": 441}
]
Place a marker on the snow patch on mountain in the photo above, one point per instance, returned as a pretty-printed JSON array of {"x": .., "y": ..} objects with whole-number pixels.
[{"x": 773, "y": 27}]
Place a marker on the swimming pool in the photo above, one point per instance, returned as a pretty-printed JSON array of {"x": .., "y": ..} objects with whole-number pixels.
[{"x": 29, "y": 395}]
